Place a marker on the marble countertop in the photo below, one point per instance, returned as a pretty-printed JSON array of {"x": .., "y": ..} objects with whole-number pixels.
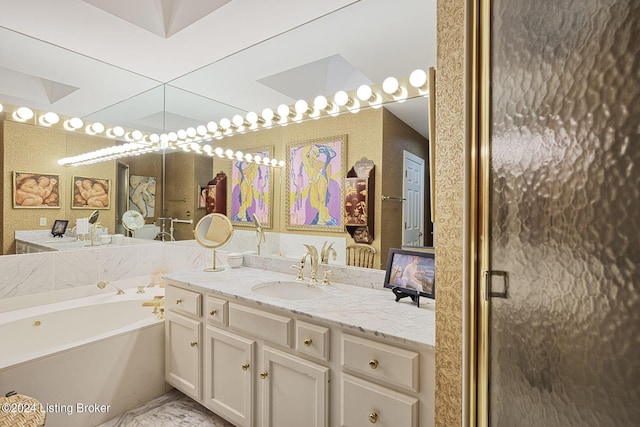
[
  {"x": 45, "y": 241},
  {"x": 372, "y": 311}
]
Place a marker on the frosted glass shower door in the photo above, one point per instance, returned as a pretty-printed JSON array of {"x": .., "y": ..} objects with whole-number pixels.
[{"x": 564, "y": 346}]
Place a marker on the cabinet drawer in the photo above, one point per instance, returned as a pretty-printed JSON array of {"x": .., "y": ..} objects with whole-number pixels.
[
  {"x": 271, "y": 327},
  {"x": 312, "y": 340},
  {"x": 184, "y": 301},
  {"x": 217, "y": 311},
  {"x": 365, "y": 403},
  {"x": 381, "y": 361}
]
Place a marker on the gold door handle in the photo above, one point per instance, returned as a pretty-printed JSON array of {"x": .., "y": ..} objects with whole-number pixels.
[
  {"x": 264, "y": 374},
  {"x": 179, "y": 300},
  {"x": 373, "y": 418},
  {"x": 245, "y": 366},
  {"x": 194, "y": 343},
  {"x": 373, "y": 363},
  {"x": 308, "y": 342},
  {"x": 213, "y": 312}
]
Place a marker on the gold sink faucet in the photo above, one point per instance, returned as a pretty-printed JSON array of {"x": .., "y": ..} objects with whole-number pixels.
[
  {"x": 326, "y": 251},
  {"x": 312, "y": 253}
]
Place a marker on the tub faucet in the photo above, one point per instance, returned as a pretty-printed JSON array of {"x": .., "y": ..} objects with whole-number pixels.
[{"x": 103, "y": 284}]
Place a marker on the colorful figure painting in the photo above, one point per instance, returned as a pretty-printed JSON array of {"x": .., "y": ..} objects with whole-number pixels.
[
  {"x": 251, "y": 190},
  {"x": 315, "y": 172}
]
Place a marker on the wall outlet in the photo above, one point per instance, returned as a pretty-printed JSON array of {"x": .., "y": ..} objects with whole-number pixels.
[{"x": 43, "y": 222}]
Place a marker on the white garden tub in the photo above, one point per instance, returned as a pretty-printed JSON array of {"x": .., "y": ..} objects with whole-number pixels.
[{"x": 86, "y": 359}]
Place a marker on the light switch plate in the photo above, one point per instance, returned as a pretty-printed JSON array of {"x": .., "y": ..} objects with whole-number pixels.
[{"x": 43, "y": 221}]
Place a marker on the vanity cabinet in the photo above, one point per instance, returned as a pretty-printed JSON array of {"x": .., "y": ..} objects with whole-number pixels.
[{"x": 264, "y": 367}]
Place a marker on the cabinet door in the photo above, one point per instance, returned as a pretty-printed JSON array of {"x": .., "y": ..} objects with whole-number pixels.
[
  {"x": 182, "y": 353},
  {"x": 295, "y": 391},
  {"x": 228, "y": 376}
]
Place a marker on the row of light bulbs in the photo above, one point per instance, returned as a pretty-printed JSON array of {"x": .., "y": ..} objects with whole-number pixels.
[{"x": 197, "y": 139}]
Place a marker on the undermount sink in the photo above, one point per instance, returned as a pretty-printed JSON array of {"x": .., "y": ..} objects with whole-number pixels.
[{"x": 290, "y": 290}]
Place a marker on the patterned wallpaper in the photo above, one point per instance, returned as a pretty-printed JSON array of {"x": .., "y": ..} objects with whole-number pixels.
[{"x": 449, "y": 210}]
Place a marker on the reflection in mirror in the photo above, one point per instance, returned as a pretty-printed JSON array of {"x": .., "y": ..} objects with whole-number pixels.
[{"x": 288, "y": 71}]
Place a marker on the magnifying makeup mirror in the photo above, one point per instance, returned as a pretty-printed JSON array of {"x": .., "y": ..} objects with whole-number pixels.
[
  {"x": 259, "y": 231},
  {"x": 132, "y": 221},
  {"x": 213, "y": 231},
  {"x": 93, "y": 218}
]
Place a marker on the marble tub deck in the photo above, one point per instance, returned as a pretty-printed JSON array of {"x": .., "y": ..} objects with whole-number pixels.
[{"x": 172, "y": 409}]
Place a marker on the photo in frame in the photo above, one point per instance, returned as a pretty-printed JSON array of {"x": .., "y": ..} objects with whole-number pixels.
[
  {"x": 36, "y": 190},
  {"x": 252, "y": 189},
  {"x": 315, "y": 184},
  {"x": 142, "y": 194},
  {"x": 59, "y": 227},
  {"x": 91, "y": 193},
  {"x": 412, "y": 272}
]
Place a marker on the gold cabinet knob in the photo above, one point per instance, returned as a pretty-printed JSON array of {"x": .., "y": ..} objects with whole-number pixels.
[
  {"x": 194, "y": 343},
  {"x": 373, "y": 418},
  {"x": 264, "y": 374},
  {"x": 245, "y": 366},
  {"x": 373, "y": 363},
  {"x": 213, "y": 311},
  {"x": 179, "y": 300},
  {"x": 308, "y": 342}
]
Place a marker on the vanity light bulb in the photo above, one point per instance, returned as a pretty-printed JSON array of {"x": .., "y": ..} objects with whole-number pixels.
[
  {"x": 229, "y": 153},
  {"x": 97, "y": 127},
  {"x": 302, "y": 106},
  {"x": 212, "y": 127},
  {"x": 207, "y": 148},
  {"x": 257, "y": 158},
  {"x": 118, "y": 131},
  {"x": 49, "y": 119},
  {"x": 154, "y": 138},
  {"x": 201, "y": 130},
  {"x": 342, "y": 98},
  {"x": 418, "y": 78},
  {"x": 252, "y": 117},
  {"x": 283, "y": 110},
  {"x": 274, "y": 162},
  {"x": 225, "y": 123},
  {"x": 182, "y": 134},
  {"x": 239, "y": 155},
  {"x": 76, "y": 123},
  {"x": 136, "y": 135},
  {"x": 219, "y": 151},
  {"x": 268, "y": 114},
  {"x": 238, "y": 120},
  {"x": 248, "y": 157},
  {"x": 364, "y": 92},
  {"x": 281, "y": 163},
  {"x": 266, "y": 161},
  {"x": 24, "y": 113},
  {"x": 1, "y": 108},
  {"x": 173, "y": 136},
  {"x": 191, "y": 132},
  {"x": 320, "y": 102},
  {"x": 194, "y": 146},
  {"x": 390, "y": 85}
]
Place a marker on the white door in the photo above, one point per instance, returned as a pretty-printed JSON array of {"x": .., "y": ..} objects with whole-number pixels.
[{"x": 413, "y": 205}]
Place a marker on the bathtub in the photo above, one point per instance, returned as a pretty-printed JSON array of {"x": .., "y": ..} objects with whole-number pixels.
[{"x": 87, "y": 359}]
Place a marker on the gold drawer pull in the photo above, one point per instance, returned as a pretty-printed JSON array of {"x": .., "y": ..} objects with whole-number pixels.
[
  {"x": 179, "y": 300},
  {"x": 373, "y": 418},
  {"x": 373, "y": 363},
  {"x": 245, "y": 366},
  {"x": 213, "y": 312},
  {"x": 264, "y": 374},
  {"x": 194, "y": 343},
  {"x": 308, "y": 342}
]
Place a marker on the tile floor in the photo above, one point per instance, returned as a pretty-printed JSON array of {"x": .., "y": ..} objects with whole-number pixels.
[{"x": 172, "y": 409}]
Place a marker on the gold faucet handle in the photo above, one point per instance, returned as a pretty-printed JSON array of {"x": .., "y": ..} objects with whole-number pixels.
[
  {"x": 300, "y": 277},
  {"x": 325, "y": 277}
]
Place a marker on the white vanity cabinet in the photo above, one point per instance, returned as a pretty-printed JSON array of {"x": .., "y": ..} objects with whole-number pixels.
[
  {"x": 268, "y": 367},
  {"x": 183, "y": 336}
]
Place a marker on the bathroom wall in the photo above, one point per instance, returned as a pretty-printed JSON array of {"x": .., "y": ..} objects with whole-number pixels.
[{"x": 29, "y": 148}]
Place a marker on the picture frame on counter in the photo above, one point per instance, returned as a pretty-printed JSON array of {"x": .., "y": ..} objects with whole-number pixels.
[{"x": 411, "y": 274}]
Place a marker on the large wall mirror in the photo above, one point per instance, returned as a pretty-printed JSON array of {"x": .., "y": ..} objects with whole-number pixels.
[{"x": 349, "y": 44}]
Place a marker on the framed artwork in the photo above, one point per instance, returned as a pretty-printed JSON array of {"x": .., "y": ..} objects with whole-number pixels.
[
  {"x": 412, "y": 272},
  {"x": 91, "y": 193},
  {"x": 36, "y": 190},
  {"x": 251, "y": 190},
  {"x": 315, "y": 184},
  {"x": 142, "y": 194},
  {"x": 201, "y": 195}
]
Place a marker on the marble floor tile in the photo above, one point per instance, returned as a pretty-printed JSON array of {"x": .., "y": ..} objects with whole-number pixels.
[{"x": 172, "y": 409}]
